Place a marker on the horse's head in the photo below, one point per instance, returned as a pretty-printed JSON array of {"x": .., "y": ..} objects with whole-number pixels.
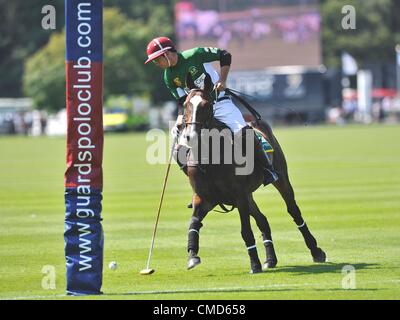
[{"x": 198, "y": 108}]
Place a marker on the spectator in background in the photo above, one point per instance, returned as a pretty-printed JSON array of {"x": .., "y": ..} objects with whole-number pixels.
[
  {"x": 43, "y": 121},
  {"x": 185, "y": 14},
  {"x": 28, "y": 121},
  {"x": 349, "y": 109}
]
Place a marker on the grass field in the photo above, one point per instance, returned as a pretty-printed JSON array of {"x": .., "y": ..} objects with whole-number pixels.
[{"x": 347, "y": 182}]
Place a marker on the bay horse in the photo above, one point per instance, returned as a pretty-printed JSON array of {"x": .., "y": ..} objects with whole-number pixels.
[{"x": 218, "y": 184}]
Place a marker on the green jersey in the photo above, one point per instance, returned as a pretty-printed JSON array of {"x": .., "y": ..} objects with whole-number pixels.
[{"x": 197, "y": 61}]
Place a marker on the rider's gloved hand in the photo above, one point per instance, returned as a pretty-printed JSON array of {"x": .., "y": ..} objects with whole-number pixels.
[
  {"x": 175, "y": 132},
  {"x": 220, "y": 86}
]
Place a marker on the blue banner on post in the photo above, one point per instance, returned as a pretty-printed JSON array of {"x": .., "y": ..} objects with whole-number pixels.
[{"x": 83, "y": 236}]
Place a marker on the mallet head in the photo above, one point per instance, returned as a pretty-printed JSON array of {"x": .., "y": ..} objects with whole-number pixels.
[{"x": 146, "y": 271}]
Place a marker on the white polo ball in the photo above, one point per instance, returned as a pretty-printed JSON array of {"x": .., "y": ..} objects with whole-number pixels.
[{"x": 112, "y": 265}]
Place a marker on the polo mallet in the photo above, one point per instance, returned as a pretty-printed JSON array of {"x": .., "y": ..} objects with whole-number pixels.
[{"x": 148, "y": 270}]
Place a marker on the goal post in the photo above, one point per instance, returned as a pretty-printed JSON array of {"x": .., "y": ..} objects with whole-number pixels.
[{"x": 83, "y": 234}]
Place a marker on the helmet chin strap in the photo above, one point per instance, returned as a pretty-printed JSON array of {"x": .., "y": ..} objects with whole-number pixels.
[{"x": 169, "y": 62}]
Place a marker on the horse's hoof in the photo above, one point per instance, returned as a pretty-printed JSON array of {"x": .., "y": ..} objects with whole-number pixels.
[
  {"x": 193, "y": 261},
  {"x": 319, "y": 256},
  {"x": 256, "y": 270},
  {"x": 269, "y": 264}
]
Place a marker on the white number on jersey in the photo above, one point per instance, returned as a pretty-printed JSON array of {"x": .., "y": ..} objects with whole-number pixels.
[{"x": 211, "y": 49}]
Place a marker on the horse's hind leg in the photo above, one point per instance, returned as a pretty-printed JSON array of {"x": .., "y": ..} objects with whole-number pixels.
[
  {"x": 200, "y": 210},
  {"x": 262, "y": 223},
  {"x": 285, "y": 189}
]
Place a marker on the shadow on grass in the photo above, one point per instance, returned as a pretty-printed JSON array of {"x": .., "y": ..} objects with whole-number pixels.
[
  {"x": 206, "y": 290},
  {"x": 320, "y": 268},
  {"x": 327, "y": 267},
  {"x": 351, "y": 290}
]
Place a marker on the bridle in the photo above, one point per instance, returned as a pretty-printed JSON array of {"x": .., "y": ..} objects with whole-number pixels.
[{"x": 198, "y": 123}]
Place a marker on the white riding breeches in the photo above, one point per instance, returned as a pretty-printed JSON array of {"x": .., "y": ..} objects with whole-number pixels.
[{"x": 226, "y": 112}]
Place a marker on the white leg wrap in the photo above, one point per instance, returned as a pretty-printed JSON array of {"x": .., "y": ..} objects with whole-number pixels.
[{"x": 304, "y": 223}]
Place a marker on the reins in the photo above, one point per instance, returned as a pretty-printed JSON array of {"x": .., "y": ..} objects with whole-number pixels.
[{"x": 244, "y": 103}]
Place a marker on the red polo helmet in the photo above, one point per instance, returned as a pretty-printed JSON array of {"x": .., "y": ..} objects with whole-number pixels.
[{"x": 157, "y": 47}]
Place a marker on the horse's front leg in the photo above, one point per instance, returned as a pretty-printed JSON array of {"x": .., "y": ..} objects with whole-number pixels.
[
  {"x": 200, "y": 210},
  {"x": 264, "y": 227},
  {"x": 243, "y": 205}
]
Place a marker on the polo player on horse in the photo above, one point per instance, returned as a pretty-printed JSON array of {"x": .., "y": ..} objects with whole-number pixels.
[{"x": 193, "y": 69}]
